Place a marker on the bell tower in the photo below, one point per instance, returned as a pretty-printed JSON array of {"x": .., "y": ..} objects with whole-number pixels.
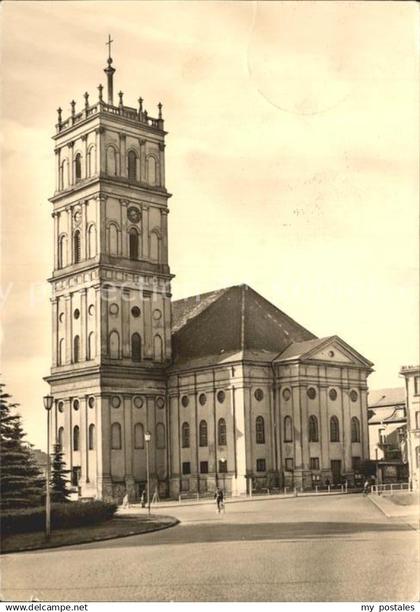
[{"x": 111, "y": 310}]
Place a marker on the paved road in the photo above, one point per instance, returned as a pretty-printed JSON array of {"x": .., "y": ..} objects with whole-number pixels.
[{"x": 339, "y": 548}]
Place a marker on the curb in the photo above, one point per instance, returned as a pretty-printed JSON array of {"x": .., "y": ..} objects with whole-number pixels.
[
  {"x": 378, "y": 505},
  {"x": 90, "y": 541}
]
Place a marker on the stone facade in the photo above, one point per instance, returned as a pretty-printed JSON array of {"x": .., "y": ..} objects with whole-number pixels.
[
  {"x": 411, "y": 375},
  {"x": 232, "y": 391}
]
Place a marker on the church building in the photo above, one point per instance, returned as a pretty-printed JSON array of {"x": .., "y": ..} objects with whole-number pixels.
[{"x": 216, "y": 389}]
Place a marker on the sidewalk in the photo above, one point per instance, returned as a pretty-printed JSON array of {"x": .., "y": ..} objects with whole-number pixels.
[
  {"x": 209, "y": 501},
  {"x": 395, "y": 511}
]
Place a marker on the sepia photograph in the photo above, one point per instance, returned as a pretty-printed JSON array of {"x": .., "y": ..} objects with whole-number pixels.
[{"x": 210, "y": 379}]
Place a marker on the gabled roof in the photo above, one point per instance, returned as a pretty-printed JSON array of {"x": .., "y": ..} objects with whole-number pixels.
[
  {"x": 387, "y": 415},
  {"x": 231, "y": 320},
  {"x": 320, "y": 349},
  {"x": 299, "y": 349},
  {"x": 386, "y": 397}
]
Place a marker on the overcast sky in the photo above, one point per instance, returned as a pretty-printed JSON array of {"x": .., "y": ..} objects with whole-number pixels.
[{"x": 292, "y": 158}]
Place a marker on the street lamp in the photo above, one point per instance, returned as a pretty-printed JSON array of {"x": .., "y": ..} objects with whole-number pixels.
[
  {"x": 48, "y": 403},
  {"x": 223, "y": 468},
  {"x": 147, "y": 438}
]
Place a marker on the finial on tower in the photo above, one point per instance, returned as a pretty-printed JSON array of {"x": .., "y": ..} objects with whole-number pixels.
[
  {"x": 109, "y": 71},
  {"x": 100, "y": 88},
  {"x": 86, "y": 96},
  {"x": 73, "y": 108},
  {"x": 120, "y": 95},
  {"x": 140, "y": 101},
  {"x": 59, "y": 111}
]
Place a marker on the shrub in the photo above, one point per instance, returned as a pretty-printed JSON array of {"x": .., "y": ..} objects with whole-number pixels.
[{"x": 65, "y": 515}]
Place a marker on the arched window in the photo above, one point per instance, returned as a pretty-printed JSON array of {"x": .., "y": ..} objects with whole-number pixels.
[
  {"x": 60, "y": 436},
  {"x": 203, "y": 436},
  {"x": 151, "y": 170},
  {"x": 334, "y": 429},
  {"x": 157, "y": 346},
  {"x": 160, "y": 436},
  {"x": 76, "y": 349},
  {"x": 221, "y": 432},
  {"x": 78, "y": 167},
  {"x": 91, "y": 346},
  {"x": 60, "y": 356},
  {"x": 355, "y": 429},
  {"x": 113, "y": 239},
  {"x": 134, "y": 243},
  {"x": 154, "y": 246},
  {"x": 132, "y": 166},
  {"x": 91, "y": 436},
  {"x": 76, "y": 438},
  {"x": 288, "y": 429},
  {"x": 91, "y": 161},
  {"x": 185, "y": 435},
  {"x": 138, "y": 436},
  {"x": 313, "y": 429},
  {"x": 114, "y": 345},
  {"x": 116, "y": 436},
  {"x": 259, "y": 430},
  {"x": 111, "y": 161},
  {"x": 136, "y": 347},
  {"x": 76, "y": 247},
  {"x": 91, "y": 241},
  {"x": 62, "y": 244}
]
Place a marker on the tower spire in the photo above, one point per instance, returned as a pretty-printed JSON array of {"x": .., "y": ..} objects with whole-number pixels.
[{"x": 109, "y": 71}]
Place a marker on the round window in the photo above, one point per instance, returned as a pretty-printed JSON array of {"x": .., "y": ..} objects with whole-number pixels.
[
  {"x": 113, "y": 309},
  {"x": 311, "y": 393},
  {"x": 331, "y": 353},
  {"x": 333, "y": 394},
  {"x": 157, "y": 314},
  {"x": 185, "y": 400},
  {"x": 91, "y": 310},
  {"x": 286, "y": 394},
  {"x": 138, "y": 401},
  {"x": 91, "y": 402},
  {"x": 135, "y": 311},
  {"x": 259, "y": 394},
  {"x": 160, "y": 402},
  {"x": 202, "y": 398},
  {"x": 76, "y": 313},
  {"x": 76, "y": 404},
  {"x": 116, "y": 401},
  {"x": 353, "y": 396},
  {"x": 60, "y": 406},
  {"x": 221, "y": 396}
]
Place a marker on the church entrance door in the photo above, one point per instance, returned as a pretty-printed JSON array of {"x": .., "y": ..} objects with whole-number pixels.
[{"x": 336, "y": 471}]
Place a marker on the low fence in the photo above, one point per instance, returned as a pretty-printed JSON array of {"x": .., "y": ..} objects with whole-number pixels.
[{"x": 390, "y": 488}]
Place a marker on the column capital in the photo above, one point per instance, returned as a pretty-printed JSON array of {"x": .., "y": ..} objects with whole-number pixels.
[
  {"x": 84, "y": 137},
  {"x": 70, "y": 144},
  {"x": 162, "y": 146}
]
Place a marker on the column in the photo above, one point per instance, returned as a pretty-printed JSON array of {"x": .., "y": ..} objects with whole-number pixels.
[
  {"x": 71, "y": 163},
  {"x": 162, "y": 164},
  {"x": 83, "y": 441},
  {"x": 54, "y": 322},
  {"x": 151, "y": 428},
  {"x": 101, "y": 168},
  {"x": 101, "y": 225},
  {"x": 83, "y": 224},
  {"x": 142, "y": 143},
  {"x": 123, "y": 155},
  {"x": 145, "y": 231},
  {"x": 324, "y": 437},
  {"x": 69, "y": 258},
  {"x": 104, "y": 322},
  {"x": 98, "y": 327},
  {"x": 164, "y": 226},
  {"x": 147, "y": 310},
  {"x": 364, "y": 433},
  {"x": 297, "y": 436},
  {"x": 239, "y": 485},
  {"x": 124, "y": 235},
  {"x": 83, "y": 324},
  {"x": 84, "y": 140},
  {"x": 125, "y": 323},
  {"x": 304, "y": 428},
  {"x": 97, "y": 151},
  {"x": 57, "y": 173},
  {"x": 68, "y": 328},
  {"x": 55, "y": 216}
]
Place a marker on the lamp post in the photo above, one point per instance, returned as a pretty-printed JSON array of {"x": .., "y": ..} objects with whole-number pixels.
[
  {"x": 222, "y": 465},
  {"x": 147, "y": 437},
  {"x": 48, "y": 403}
]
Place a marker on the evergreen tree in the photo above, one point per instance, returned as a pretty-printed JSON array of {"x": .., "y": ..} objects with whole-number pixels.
[
  {"x": 21, "y": 484},
  {"x": 58, "y": 482}
]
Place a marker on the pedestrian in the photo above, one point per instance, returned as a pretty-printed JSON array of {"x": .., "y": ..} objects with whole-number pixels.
[
  {"x": 143, "y": 499},
  {"x": 125, "y": 501},
  {"x": 366, "y": 487},
  {"x": 219, "y": 497}
]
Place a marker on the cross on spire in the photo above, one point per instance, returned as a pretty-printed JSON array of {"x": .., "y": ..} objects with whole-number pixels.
[{"x": 109, "y": 45}]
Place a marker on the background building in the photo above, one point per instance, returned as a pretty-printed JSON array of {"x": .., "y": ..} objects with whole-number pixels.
[
  {"x": 231, "y": 389},
  {"x": 388, "y": 433},
  {"x": 412, "y": 387}
]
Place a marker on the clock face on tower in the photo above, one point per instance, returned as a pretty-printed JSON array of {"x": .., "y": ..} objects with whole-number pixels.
[{"x": 133, "y": 214}]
